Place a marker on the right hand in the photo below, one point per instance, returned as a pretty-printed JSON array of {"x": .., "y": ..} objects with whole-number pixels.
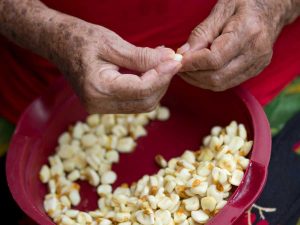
[{"x": 90, "y": 56}]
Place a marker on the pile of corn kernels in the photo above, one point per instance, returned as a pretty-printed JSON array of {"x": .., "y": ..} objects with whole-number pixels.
[{"x": 187, "y": 190}]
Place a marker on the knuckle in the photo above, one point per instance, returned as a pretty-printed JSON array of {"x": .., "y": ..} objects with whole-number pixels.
[
  {"x": 216, "y": 61},
  {"x": 216, "y": 82},
  {"x": 145, "y": 91},
  {"x": 144, "y": 58},
  {"x": 148, "y": 105},
  {"x": 254, "y": 28},
  {"x": 201, "y": 32}
]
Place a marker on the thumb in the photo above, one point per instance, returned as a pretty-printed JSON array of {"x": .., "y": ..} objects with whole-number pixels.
[
  {"x": 204, "y": 34},
  {"x": 143, "y": 59}
]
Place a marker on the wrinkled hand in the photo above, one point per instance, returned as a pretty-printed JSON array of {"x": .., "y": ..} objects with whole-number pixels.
[
  {"x": 233, "y": 44},
  {"x": 90, "y": 57}
]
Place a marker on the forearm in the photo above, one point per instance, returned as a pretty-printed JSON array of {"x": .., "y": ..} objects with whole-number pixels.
[{"x": 25, "y": 21}]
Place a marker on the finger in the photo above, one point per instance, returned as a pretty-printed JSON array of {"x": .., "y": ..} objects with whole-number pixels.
[
  {"x": 112, "y": 105},
  {"x": 124, "y": 54},
  {"x": 130, "y": 86},
  {"x": 210, "y": 28},
  {"x": 236, "y": 72},
  {"x": 221, "y": 52}
]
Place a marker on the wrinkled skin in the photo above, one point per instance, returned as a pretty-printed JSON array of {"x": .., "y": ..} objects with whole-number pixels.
[
  {"x": 235, "y": 42},
  {"x": 232, "y": 45},
  {"x": 91, "y": 63},
  {"x": 90, "y": 57}
]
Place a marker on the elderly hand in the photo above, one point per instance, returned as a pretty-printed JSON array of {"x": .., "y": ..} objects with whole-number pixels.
[
  {"x": 90, "y": 57},
  {"x": 234, "y": 43}
]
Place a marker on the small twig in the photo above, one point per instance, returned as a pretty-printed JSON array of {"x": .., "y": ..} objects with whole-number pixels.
[{"x": 249, "y": 216}]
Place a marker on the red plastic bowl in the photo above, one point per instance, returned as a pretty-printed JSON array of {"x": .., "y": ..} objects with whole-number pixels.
[{"x": 193, "y": 113}]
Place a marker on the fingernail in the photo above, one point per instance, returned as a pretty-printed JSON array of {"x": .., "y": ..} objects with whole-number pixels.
[
  {"x": 184, "y": 48},
  {"x": 167, "y": 54},
  {"x": 170, "y": 66}
]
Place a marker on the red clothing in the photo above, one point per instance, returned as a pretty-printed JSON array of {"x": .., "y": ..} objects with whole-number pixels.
[{"x": 142, "y": 22}]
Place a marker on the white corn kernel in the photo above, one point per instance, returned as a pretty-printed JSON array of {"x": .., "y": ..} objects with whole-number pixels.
[
  {"x": 65, "y": 220},
  {"x": 227, "y": 162},
  {"x": 108, "y": 120},
  {"x": 170, "y": 185},
  {"x": 163, "y": 113},
  {"x": 185, "y": 222},
  {"x": 122, "y": 191},
  {"x": 138, "y": 131},
  {"x": 72, "y": 213},
  {"x": 191, "y": 204},
  {"x": 215, "y": 143},
  {"x": 108, "y": 177},
  {"x": 57, "y": 170},
  {"x": 52, "y": 186},
  {"x": 206, "y": 140},
  {"x": 96, "y": 214},
  {"x": 105, "y": 222},
  {"x": 163, "y": 216},
  {"x": 143, "y": 218},
  {"x": 64, "y": 138},
  {"x": 219, "y": 175},
  {"x": 165, "y": 203},
  {"x": 189, "y": 156},
  {"x": 66, "y": 151},
  {"x": 78, "y": 130},
  {"x": 199, "y": 216},
  {"x": 208, "y": 203},
  {"x": 122, "y": 217},
  {"x": 93, "y": 120},
  {"x": 215, "y": 131},
  {"x": 100, "y": 130},
  {"x": 140, "y": 119},
  {"x": 84, "y": 218},
  {"x": 242, "y": 131},
  {"x": 235, "y": 144},
  {"x": 69, "y": 165},
  {"x": 74, "y": 197},
  {"x": 178, "y": 57},
  {"x": 231, "y": 129},
  {"x": 125, "y": 145},
  {"x": 160, "y": 160},
  {"x": 152, "y": 201},
  {"x": 74, "y": 175},
  {"x": 104, "y": 189},
  {"x": 125, "y": 223},
  {"x": 179, "y": 216},
  {"x": 92, "y": 160},
  {"x": 51, "y": 203},
  {"x": 45, "y": 174},
  {"x": 215, "y": 193},
  {"x": 112, "y": 156},
  {"x": 88, "y": 140},
  {"x": 221, "y": 204},
  {"x": 119, "y": 130},
  {"x": 246, "y": 148},
  {"x": 65, "y": 201},
  {"x": 92, "y": 177},
  {"x": 243, "y": 162},
  {"x": 200, "y": 189},
  {"x": 222, "y": 151},
  {"x": 237, "y": 177}
]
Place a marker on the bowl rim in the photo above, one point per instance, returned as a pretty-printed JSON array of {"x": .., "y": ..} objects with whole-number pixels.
[{"x": 259, "y": 124}]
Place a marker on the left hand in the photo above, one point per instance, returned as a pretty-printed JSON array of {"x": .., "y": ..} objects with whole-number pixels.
[{"x": 241, "y": 34}]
